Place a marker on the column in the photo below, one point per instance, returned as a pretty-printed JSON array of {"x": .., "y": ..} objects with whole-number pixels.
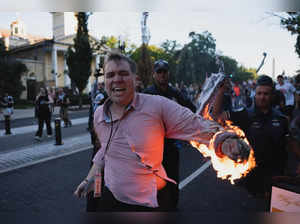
[
  {"x": 54, "y": 64},
  {"x": 67, "y": 80},
  {"x": 97, "y": 61}
]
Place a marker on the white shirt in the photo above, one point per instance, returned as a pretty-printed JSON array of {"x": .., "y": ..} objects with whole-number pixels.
[{"x": 288, "y": 91}]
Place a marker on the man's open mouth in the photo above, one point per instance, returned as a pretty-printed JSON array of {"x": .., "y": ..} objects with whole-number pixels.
[{"x": 116, "y": 89}]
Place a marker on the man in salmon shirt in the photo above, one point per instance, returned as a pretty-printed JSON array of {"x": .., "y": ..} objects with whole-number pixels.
[{"x": 131, "y": 128}]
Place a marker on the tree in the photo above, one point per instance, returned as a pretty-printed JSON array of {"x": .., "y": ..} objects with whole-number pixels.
[
  {"x": 10, "y": 77},
  {"x": 291, "y": 22},
  {"x": 230, "y": 65},
  {"x": 244, "y": 74},
  {"x": 144, "y": 65},
  {"x": 11, "y": 72},
  {"x": 171, "y": 54},
  {"x": 197, "y": 58},
  {"x": 79, "y": 57}
]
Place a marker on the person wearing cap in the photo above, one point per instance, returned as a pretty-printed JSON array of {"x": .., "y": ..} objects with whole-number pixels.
[
  {"x": 7, "y": 102},
  {"x": 171, "y": 153},
  {"x": 131, "y": 127},
  {"x": 266, "y": 129}
]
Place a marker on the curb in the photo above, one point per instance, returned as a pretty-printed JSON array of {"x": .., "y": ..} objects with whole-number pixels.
[{"x": 29, "y": 156}]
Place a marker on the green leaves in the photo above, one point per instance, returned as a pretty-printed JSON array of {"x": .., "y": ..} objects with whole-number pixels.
[
  {"x": 292, "y": 23},
  {"x": 10, "y": 77},
  {"x": 79, "y": 57}
]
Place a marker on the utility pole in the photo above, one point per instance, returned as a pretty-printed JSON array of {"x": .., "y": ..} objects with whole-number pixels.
[
  {"x": 273, "y": 68},
  {"x": 262, "y": 62},
  {"x": 145, "y": 30}
]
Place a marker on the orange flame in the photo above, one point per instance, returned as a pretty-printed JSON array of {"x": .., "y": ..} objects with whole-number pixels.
[{"x": 225, "y": 167}]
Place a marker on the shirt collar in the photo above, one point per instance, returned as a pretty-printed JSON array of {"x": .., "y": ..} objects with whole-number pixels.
[{"x": 104, "y": 116}]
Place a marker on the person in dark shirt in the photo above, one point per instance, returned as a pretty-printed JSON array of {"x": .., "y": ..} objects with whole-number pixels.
[
  {"x": 43, "y": 113},
  {"x": 6, "y": 104},
  {"x": 171, "y": 153},
  {"x": 63, "y": 102},
  {"x": 266, "y": 129}
]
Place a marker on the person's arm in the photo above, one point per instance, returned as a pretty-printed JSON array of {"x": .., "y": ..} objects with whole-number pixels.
[
  {"x": 87, "y": 184},
  {"x": 217, "y": 108},
  {"x": 50, "y": 100},
  {"x": 180, "y": 123},
  {"x": 67, "y": 100}
]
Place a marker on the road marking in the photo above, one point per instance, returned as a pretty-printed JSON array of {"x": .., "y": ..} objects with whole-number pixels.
[{"x": 187, "y": 180}]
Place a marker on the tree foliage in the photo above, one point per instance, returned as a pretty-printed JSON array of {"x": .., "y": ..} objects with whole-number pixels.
[
  {"x": 230, "y": 65},
  {"x": 292, "y": 23},
  {"x": 197, "y": 58},
  {"x": 79, "y": 57},
  {"x": 244, "y": 74},
  {"x": 144, "y": 65},
  {"x": 10, "y": 77}
]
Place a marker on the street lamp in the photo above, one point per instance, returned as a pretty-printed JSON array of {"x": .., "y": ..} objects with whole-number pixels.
[{"x": 262, "y": 62}]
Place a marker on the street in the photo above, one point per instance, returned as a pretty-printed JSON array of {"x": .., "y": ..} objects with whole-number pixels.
[{"x": 48, "y": 186}]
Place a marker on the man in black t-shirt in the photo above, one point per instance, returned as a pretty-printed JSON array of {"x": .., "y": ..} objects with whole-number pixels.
[
  {"x": 266, "y": 129},
  {"x": 171, "y": 152}
]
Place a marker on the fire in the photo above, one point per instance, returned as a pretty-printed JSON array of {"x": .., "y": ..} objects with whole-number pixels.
[{"x": 225, "y": 167}]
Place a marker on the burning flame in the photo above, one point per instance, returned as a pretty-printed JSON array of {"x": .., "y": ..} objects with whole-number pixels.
[{"x": 225, "y": 167}]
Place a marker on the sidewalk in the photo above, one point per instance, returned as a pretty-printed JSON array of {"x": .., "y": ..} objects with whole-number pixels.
[
  {"x": 29, "y": 113},
  {"x": 42, "y": 152}
]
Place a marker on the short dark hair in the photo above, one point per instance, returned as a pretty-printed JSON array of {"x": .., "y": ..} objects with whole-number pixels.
[
  {"x": 265, "y": 80},
  {"x": 115, "y": 56},
  {"x": 279, "y": 77}
]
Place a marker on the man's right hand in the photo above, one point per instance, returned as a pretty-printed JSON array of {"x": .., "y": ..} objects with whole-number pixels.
[{"x": 84, "y": 188}]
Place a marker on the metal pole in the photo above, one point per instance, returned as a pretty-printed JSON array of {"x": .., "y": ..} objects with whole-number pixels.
[{"x": 58, "y": 139}]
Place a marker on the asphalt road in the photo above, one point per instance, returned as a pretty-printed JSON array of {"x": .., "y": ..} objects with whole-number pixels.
[{"x": 49, "y": 186}]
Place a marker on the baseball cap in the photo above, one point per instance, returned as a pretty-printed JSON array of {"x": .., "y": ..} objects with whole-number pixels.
[{"x": 161, "y": 64}]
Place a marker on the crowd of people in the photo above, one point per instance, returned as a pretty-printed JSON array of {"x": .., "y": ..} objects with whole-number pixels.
[
  {"x": 137, "y": 133},
  {"x": 259, "y": 107}
]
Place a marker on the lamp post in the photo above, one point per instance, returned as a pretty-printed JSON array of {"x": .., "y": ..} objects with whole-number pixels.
[{"x": 262, "y": 62}]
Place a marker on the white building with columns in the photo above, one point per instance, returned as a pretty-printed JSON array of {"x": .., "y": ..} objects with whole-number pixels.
[{"x": 46, "y": 59}]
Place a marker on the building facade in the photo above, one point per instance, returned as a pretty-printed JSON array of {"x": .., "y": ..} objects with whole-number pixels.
[{"x": 46, "y": 58}]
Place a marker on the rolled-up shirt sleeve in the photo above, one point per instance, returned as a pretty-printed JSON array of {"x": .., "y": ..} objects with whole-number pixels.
[{"x": 181, "y": 123}]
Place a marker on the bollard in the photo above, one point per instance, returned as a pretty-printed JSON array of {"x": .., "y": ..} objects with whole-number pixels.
[{"x": 58, "y": 132}]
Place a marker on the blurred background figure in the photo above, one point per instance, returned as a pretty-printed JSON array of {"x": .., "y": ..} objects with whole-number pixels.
[
  {"x": 288, "y": 91},
  {"x": 63, "y": 102},
  {"x": 7, "y": 103},
  {"x": 43, "y": 112}
]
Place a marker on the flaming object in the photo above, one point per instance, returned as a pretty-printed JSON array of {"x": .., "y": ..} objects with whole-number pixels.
[{"x": 225, "y": 167}]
